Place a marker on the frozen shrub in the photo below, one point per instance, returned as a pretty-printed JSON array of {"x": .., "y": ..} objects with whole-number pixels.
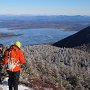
[{"x": 67, "y": 66}]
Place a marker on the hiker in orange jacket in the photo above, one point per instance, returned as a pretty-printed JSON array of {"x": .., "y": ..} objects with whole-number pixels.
[{"x": 13, "y": 58}]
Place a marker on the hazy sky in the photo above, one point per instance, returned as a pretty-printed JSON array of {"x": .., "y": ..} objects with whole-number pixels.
[{"x": 45, "y": 7}]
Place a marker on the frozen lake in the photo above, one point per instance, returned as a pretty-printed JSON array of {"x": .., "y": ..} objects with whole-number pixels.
[{"x": 34, "y": 36}]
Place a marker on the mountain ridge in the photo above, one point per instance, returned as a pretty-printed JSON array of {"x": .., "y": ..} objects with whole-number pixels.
[{"x": 77, "y": 39}]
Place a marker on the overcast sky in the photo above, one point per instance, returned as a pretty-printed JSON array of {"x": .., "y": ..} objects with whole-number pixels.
[{"x": 45, "y": 7}]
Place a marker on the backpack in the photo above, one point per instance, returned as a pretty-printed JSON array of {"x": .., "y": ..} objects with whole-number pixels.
[
  {"x": 1, "y": 53},
  {"x": 12, "y": 56}
]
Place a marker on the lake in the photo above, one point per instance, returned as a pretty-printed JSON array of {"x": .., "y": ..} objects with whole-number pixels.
[{"x": 35, "y": 36}]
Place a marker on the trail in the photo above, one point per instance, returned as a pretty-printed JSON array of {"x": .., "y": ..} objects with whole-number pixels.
[{"x": 4, "y": 86}]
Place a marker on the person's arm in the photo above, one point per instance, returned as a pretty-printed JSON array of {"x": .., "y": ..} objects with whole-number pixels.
[
  {"x": 5, "y": 58},
  {"x": 21, "y": 58}
]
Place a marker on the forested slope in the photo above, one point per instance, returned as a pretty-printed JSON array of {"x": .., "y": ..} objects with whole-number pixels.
[{"x": 67, "y": 67}]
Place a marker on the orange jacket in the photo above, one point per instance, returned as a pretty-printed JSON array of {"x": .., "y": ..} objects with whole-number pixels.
[{"x": 19, "y": 57}]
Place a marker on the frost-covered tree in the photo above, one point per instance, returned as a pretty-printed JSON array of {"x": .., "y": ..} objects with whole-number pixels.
[{"x": 67, "y": 66}]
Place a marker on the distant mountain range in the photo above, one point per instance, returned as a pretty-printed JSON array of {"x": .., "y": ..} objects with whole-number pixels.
[
  {"x": 78, "y": 39},
  {"x": 59, "y": 18},
  {"x": 62, "y": 22}
]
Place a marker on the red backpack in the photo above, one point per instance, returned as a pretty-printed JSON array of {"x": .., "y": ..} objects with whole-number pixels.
[{"x": 12, "y": 58}]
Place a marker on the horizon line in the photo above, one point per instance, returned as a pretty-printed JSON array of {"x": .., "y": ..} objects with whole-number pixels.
[{"x": 40, "y": 15}]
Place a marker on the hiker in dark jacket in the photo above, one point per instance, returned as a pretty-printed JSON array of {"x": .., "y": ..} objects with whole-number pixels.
[
  {"x": 14, "y": 58},
  {"x": 1, "y": 61}
]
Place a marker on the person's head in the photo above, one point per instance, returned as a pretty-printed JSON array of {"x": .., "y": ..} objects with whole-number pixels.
[{"x": 18, "y": 44}]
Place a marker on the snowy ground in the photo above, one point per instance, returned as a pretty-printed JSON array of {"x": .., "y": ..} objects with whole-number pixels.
[{"x": 5, "y": 86}]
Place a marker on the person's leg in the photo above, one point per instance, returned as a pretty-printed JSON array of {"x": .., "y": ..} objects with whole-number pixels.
[
  {"x": 0, "y": 74},
  {"x": 10, "y": 81},
  {"x": 0, "y": 78},
  {"x": 16, "y": 80}
]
